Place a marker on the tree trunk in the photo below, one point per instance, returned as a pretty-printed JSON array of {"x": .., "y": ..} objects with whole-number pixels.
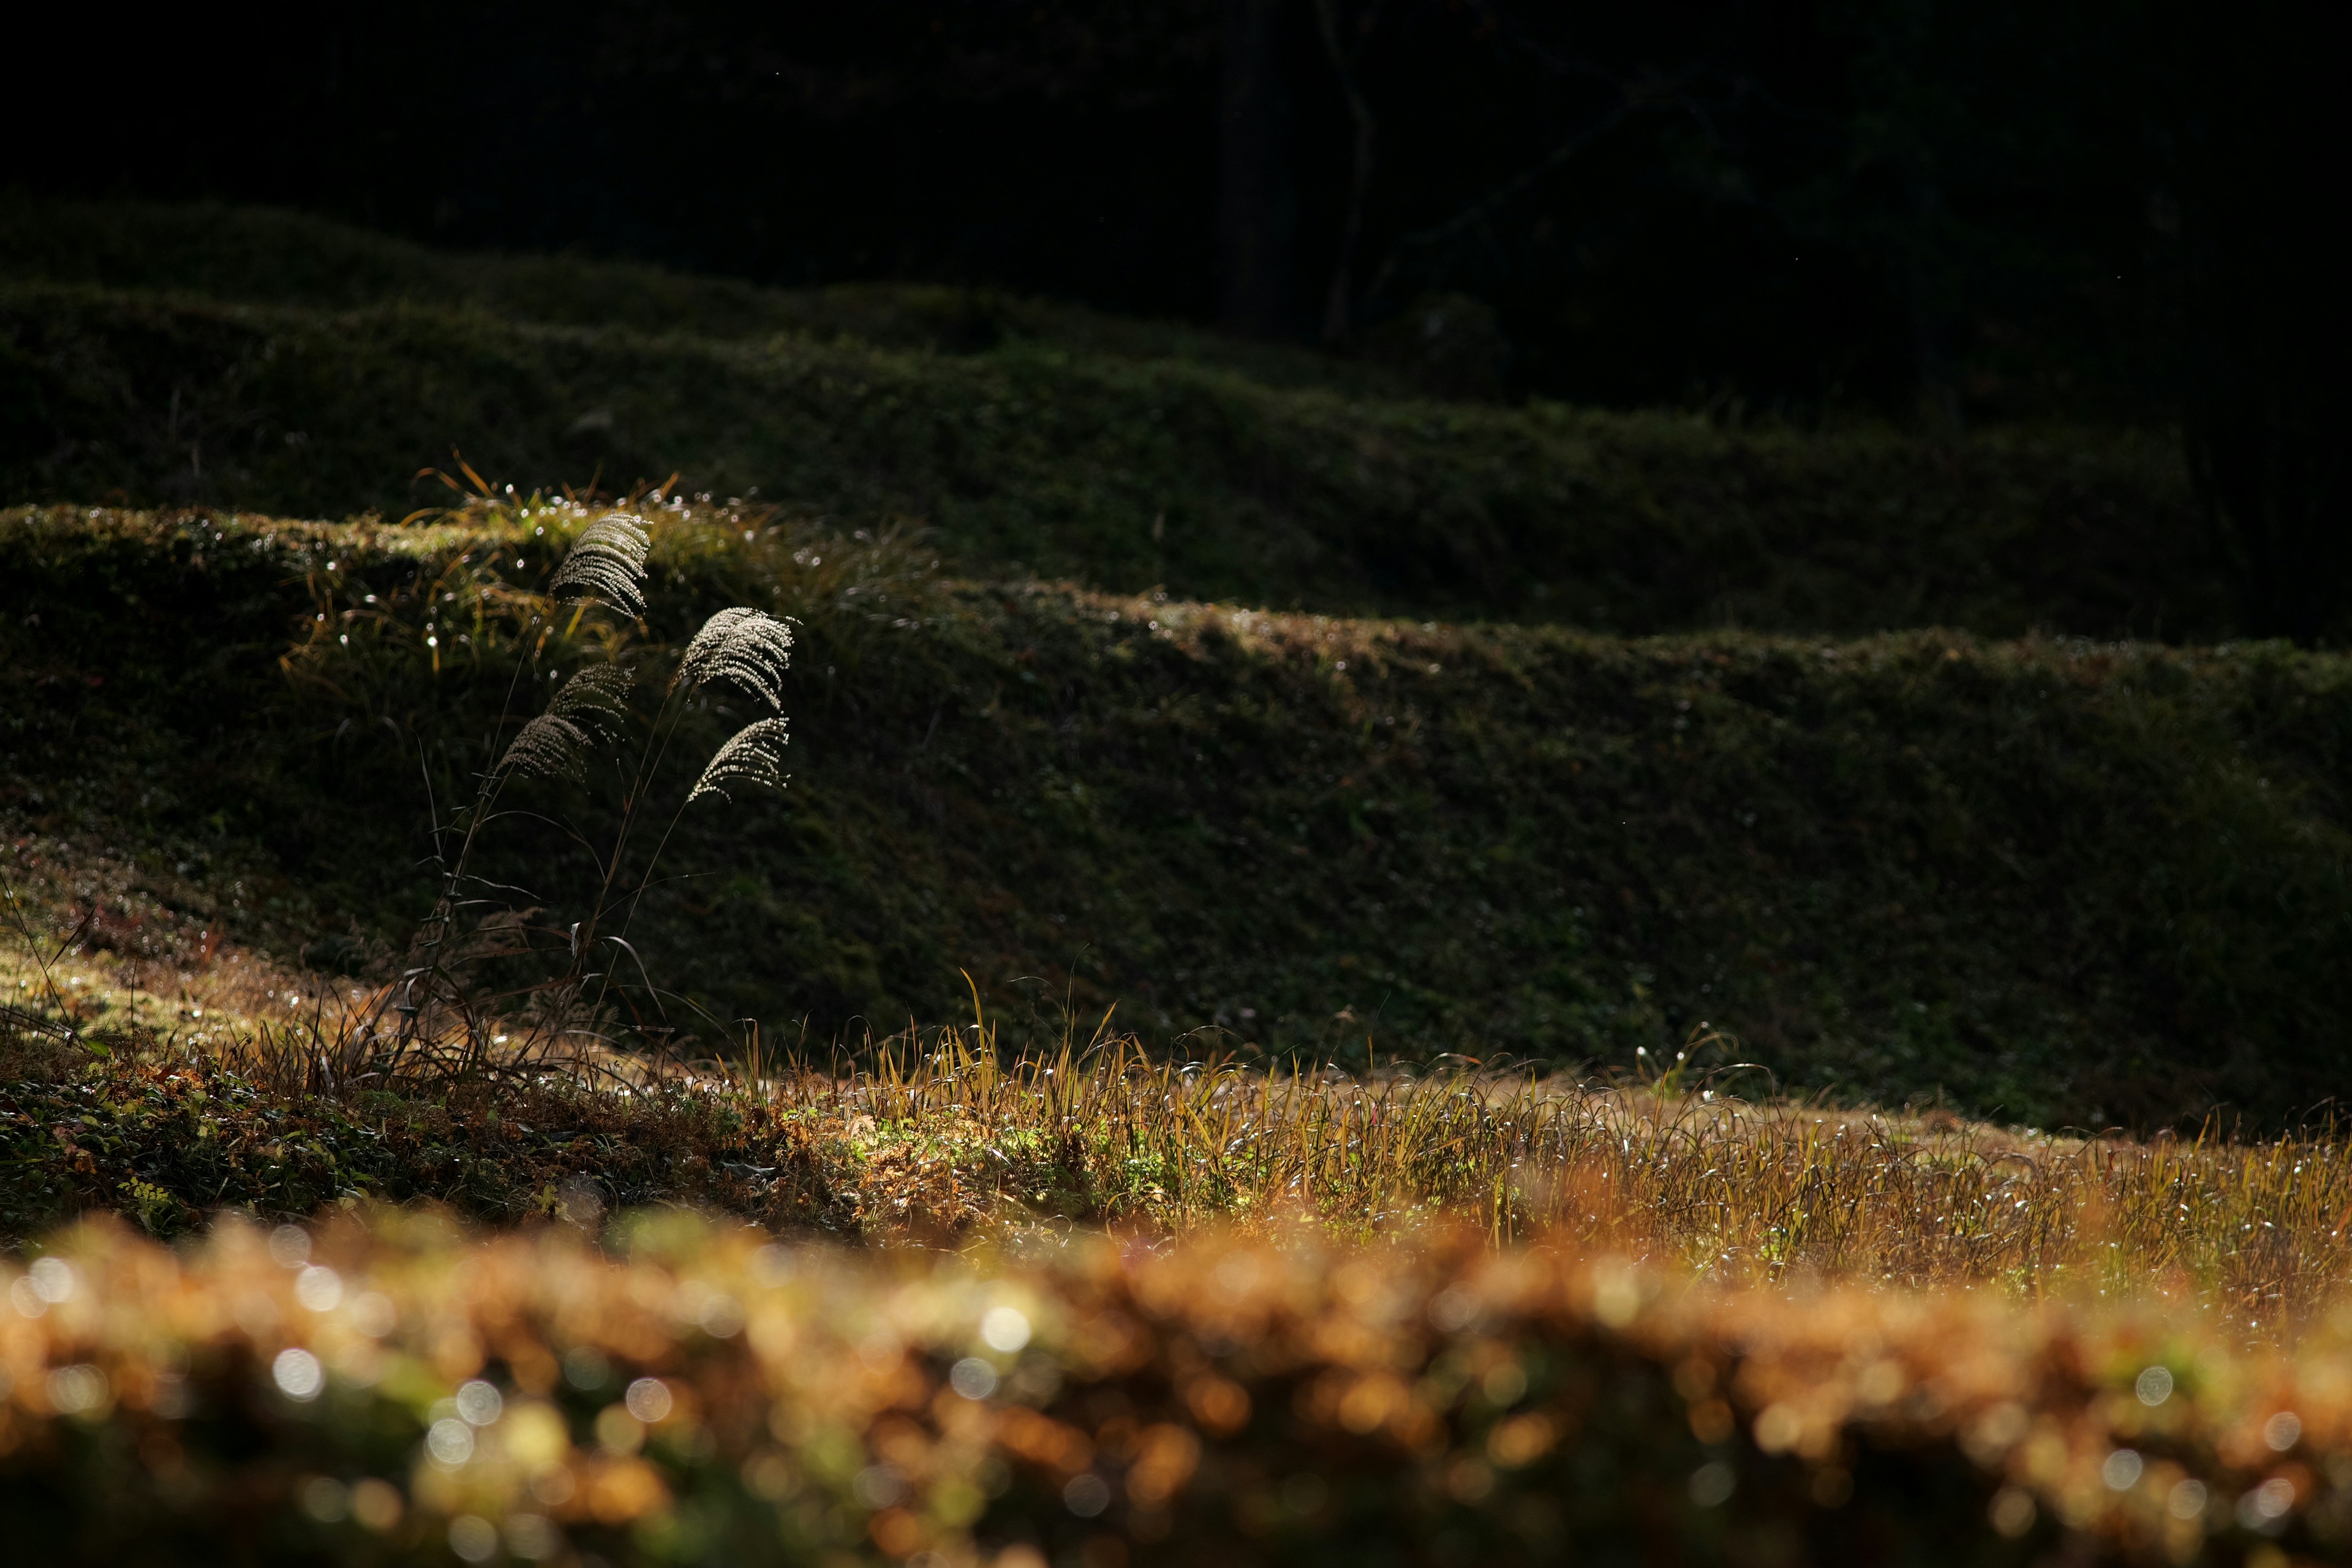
[
  {"x": 1339, "y": 300},
  {"x": 1256, "y": 198}
]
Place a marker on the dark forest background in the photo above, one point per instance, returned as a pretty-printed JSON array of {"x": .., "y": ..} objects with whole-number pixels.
[{"x": 2070, "y": 211}]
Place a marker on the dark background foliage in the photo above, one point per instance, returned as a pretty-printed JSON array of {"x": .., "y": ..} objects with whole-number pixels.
[
  {"x": 1795, "y": 201},
  {"x": 2077, "y": 209}
]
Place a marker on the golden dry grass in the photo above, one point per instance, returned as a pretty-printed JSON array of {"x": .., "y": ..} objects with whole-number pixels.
[
  {"x": 2248, "y": 1234},
  {"x": 939, "y": 1137}
]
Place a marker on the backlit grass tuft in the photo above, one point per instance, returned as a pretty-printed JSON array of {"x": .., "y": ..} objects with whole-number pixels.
[{"x": 943, "y": 1142}]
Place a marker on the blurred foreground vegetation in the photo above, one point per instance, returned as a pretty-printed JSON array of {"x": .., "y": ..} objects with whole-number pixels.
[{"x": 398, "y": 1392}]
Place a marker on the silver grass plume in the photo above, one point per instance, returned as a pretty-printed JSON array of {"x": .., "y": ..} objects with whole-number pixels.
[
  {"x": 589, "y": 708},
  {"x": 753, "y": 755},
  {"x": 607, "y": 563},
  {"x": 743, "y": 645}
]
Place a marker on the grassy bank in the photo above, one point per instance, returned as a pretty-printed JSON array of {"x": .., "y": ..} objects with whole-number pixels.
[
  {"x": 258, "y": 255},
  {"x": 2053, "y": 881},
  {"x": 270, "y": 363},
  {"x": 943, "y": 1144}
]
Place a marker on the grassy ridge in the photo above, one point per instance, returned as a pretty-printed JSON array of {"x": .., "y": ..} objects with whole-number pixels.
[
  {"x": 2055, "y": 879},
  {"x": 264, "y": 256},
  {"x": 1122, "y": 457}
]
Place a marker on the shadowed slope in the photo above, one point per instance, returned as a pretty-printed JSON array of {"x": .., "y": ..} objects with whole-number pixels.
[{"x": 2062, "y": 880}]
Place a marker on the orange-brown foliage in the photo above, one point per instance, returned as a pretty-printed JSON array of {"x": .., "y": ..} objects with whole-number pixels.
[{"x": 392, "y": 1389}]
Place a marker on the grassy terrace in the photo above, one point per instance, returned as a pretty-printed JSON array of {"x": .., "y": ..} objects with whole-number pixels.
[
  {"x": 1340, "y": 977},
  {"x": 2064, "y": 882},
  {"x": 282, "y": 365}
]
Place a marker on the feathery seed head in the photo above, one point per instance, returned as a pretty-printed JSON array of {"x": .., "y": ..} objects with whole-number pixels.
[
  {"x": 551, "y": 745},
  {"x": 607, "y": 563},
  {"x": 743, "y": 645},
  {"x": 752, "y": 755},
  {"x": 587, "y": 710}
]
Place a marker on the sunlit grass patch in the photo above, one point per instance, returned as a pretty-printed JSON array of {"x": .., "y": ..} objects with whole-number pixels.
[{"x": 942, "y": 1140}]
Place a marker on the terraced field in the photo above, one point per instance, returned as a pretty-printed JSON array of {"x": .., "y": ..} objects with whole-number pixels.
[{"x": 1335, "y": 975}]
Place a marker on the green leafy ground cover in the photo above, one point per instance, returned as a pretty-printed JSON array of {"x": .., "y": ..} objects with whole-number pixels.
[
  {"x": 2053, "y": 879},
  {"x": 169, "y": 357}
]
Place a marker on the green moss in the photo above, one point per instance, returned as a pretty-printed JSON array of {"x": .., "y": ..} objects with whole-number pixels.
[{"x": 2053, "y": 879}]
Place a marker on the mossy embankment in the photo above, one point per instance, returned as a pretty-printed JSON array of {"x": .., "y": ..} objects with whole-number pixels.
[
  {"x": 2054, "y": 879},
  {"x": 261, "y": 256},
  {"x": 194, "y": 356}
]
